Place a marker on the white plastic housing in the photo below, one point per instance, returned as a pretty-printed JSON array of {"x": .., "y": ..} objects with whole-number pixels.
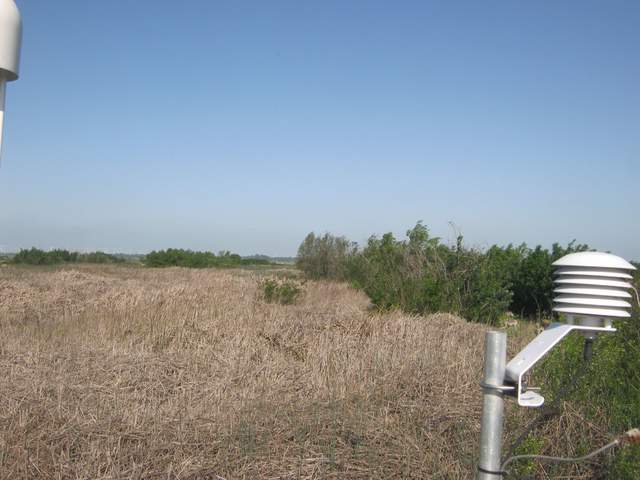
[
  {"x": 10, "y": 40},
  {"x": 592, "y": 287}
]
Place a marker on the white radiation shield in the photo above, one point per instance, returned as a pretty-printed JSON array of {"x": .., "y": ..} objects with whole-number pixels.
[
  {"x": 591, "y": 290},
  {"x": 10, "y": 44}
]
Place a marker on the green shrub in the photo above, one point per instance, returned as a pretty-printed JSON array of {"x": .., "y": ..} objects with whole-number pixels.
[
  {"x": 422, "y": 275},
  {"x": 418, "y": 275},
  {"x": 282, "y": 291}
]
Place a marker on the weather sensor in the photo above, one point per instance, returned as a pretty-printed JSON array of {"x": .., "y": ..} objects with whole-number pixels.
[
  {"x": 592, "y": 289},
  {"x": 10, "y": 41}
]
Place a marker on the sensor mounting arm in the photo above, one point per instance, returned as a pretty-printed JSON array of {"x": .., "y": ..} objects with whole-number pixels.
[{"x": 533, "y": 352}]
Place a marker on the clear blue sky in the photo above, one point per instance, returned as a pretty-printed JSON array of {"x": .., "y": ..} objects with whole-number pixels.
[{"x": 206, "y": 124}]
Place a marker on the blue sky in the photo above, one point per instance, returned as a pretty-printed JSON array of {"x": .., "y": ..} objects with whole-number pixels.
[{"x": 206, "y": 124}]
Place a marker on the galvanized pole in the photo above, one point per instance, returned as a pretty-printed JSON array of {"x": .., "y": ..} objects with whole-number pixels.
[{"x": 495, "y": 359}]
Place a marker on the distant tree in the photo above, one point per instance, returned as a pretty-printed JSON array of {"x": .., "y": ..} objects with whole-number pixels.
[{"x": 326, "y": 256}]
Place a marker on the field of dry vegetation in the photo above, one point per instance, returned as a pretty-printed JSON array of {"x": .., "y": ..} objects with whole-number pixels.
[{"x": 122, "y": 372}]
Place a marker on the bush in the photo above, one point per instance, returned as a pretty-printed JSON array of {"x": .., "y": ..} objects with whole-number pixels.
[
  {"x": 282, "y": 291},
  {"x": 421, "y": 275}
]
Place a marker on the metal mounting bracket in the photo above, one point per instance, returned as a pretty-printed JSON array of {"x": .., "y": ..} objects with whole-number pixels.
[{"x": 532, "y": 353}]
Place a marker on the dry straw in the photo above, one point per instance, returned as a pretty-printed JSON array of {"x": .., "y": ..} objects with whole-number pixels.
[{"x": 113, "y": 372}]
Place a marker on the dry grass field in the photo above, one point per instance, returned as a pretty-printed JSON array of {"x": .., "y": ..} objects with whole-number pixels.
[{"x": 122, "y": 372}]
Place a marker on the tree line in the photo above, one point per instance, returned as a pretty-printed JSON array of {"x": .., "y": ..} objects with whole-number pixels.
[
  {"x": 35, "y": 256},
  {"x": 175, "y": 257},
  {"x": 172, "y": 257}
]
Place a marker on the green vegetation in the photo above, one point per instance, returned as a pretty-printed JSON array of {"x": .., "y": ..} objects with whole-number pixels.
[
  {"x": 422, "y": 275},
  {"x": 282, "y": 291},
  {"x": 174, "y": 257},
  {"x": 532, "y": 445},
  {"x": 326, "y": 256},
  {"x": 171, "y": 257},
  {"x": 35, "y": 256}
]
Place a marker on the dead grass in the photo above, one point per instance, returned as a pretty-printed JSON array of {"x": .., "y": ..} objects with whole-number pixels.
[{"x": 112, "y": 372}]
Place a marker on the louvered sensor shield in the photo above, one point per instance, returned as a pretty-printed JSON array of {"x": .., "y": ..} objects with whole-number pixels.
[{"x": 592, "y": 288}]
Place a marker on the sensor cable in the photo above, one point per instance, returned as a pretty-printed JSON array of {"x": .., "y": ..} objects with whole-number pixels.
[{"x": 630, "y": 437}]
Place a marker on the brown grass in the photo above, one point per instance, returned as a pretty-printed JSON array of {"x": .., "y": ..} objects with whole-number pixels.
[{"x": 114, "y": 372}]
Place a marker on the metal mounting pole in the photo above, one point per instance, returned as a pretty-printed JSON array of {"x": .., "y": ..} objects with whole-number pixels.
[{"x": 495, "y": 359}]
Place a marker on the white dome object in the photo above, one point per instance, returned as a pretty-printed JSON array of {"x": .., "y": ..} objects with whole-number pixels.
[
  {"x": 593, "y": 259},
  {"x": 592, "y": 287},
  {"x": 10, "y": 40}
]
